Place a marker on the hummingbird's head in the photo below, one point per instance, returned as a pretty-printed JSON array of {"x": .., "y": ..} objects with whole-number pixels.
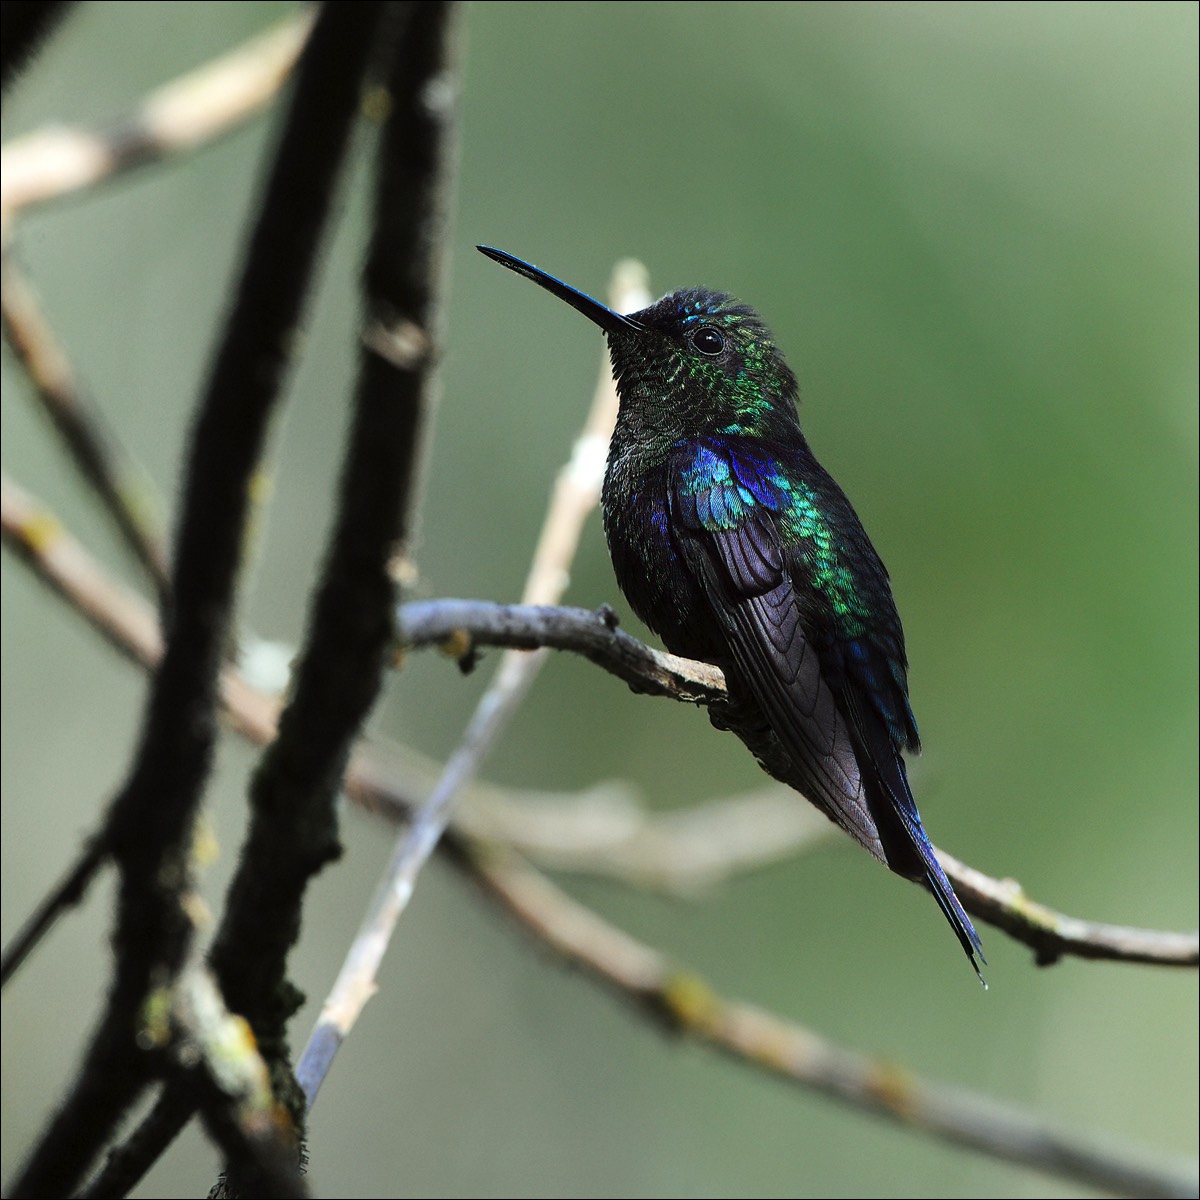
[
  {"x": 708, "y": 362},
  {"x": 695, "y": 363}
]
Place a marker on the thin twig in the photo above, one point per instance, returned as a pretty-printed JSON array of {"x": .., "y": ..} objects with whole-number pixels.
[
  {"x": 1054, "y": 935},
  {"x": 131, "y": 626},
  {"x": 120, "y": 616},
  {"x": 576, "y": 492},
  {"x": 193, "y": 109},
  {"x": 122, "y": 484},
  {"x": 607, "y": 829},
  {"x": 68, "y": 892},
  {"x": 149, "y": 826},
  {"x": 124, "y": 620},
  {"x": 637, "y": 970}
]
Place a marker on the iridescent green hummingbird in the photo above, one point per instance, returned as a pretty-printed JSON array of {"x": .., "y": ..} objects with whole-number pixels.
[{"x": 736, "y": 547}]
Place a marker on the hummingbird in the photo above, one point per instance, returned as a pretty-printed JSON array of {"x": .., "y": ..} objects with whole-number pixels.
[{"x": 736, "y": 547}]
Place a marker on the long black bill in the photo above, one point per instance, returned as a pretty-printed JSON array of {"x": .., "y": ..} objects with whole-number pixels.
[{"x": 604, "y": 316}]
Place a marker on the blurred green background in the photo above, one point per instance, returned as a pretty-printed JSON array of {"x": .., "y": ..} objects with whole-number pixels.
[{"x": 973, "y": 227}]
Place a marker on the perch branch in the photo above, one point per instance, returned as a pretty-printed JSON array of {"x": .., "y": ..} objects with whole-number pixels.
[
  {"x": 463, "y": 624},
  {"x": 459, "y": 625},
  {"x": 1053, "y": 935},
  {"x": 127, "y": 623}
]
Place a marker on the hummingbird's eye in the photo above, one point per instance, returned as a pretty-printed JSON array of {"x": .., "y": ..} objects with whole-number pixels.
[{"x": 707, "y": 340}]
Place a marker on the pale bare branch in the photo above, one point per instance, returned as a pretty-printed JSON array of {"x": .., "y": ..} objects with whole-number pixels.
[
  {"x": 576, "y": 493},
  {"x": 192, "y": 109}
]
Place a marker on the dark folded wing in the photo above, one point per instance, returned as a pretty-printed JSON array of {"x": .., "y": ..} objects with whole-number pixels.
[
  {"x": 742, "y": 572},
  {"x": 836, "y": 699}
]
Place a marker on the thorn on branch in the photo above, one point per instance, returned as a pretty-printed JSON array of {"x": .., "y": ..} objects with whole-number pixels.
[
  {"x": 460, "y": 646},
  {"x": 609, "y": 617}
]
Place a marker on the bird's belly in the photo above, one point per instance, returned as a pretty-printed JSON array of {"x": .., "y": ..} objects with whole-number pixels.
[{"x": 657, "y": 583}]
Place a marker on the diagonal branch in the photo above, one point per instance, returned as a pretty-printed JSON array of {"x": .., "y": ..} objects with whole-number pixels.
[
  {"x": 679, "y": 852},
  {"x": 117, "y": 478},
  {"x": 576, "y": 492},
  {"x": 293, "y": 830},
  {"x": 192, "y": 109},
  {"x": 782, "y": 1048},
  {"x": 217, "y": 1064},
  {"x": 195, "y": 108}
]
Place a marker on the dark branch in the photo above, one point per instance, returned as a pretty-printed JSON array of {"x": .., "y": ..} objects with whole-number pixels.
[
  {"x": 27, "y": 23},
  {"x": 457, "y": 625},
  {"x": 217, "y": 1062},
  {"x": 150, "y": 824},
  {"x": 352, "y": 625},
  {"x": 127, "y": 1163},
  {"x": 67, "y": 893},
  {"x": 293, "y": 830},
  {"x": 294, "y": 825}
]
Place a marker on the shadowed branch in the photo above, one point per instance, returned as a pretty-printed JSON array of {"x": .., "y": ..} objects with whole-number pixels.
[
  {"x": 149, "y": 826},
  {"x": 295, "y": 791},
  {"x": 27, "y": 23}
]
